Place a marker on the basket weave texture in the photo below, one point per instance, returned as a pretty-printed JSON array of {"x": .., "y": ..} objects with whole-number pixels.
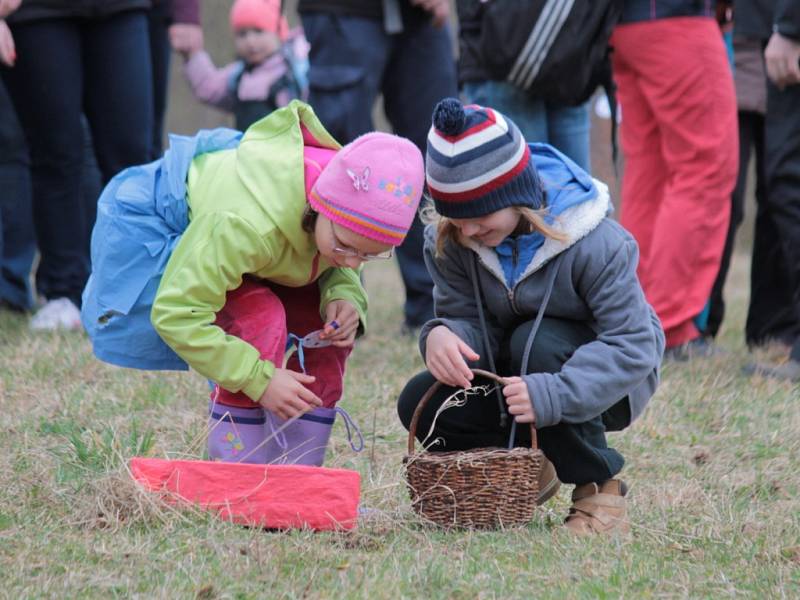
[{"x": 482, "y": 488}]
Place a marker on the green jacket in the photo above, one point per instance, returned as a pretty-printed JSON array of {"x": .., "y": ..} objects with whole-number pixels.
[{"x": 245, "y": 212}]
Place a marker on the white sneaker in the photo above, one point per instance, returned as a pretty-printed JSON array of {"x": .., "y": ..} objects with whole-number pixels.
[{"x": 59, "y": 313}]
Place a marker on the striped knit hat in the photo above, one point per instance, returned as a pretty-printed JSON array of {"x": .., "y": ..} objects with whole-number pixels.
[{"x": 478, "y": 162}]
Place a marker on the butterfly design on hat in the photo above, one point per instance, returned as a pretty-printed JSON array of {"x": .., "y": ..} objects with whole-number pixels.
[{"x": 360, "y": 181}]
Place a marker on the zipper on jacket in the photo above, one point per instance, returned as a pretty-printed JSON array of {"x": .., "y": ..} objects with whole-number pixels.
[
  {"x": 511, "y": 301},
  {"x": 509, "y": 292},
  {"x": 514, "y": 252},
  {"x": 514, "y": 261}
]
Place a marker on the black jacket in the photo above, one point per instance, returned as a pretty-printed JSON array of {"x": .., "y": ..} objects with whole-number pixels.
[
  {"x": 371, "y": 9},
  {"x": 648, "y": 10},
  {"x": 532, "y": 45},
  {"x": 470, "y": 63},
  {"x": 759, "y": 18},
  {"x": 37, "y": 10}
]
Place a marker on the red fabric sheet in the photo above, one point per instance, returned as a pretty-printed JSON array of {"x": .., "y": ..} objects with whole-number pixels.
[{"x": 270, "y": 496}]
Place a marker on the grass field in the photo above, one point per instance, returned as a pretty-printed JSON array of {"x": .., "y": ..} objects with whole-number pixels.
[{"x": 714, "y": 469}]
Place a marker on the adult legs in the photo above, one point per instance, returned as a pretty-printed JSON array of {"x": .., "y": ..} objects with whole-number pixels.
[
  {"x": 347, "y": 59},
  {"x": 158, "y": 21},
  {"x": 564, "y": 127},
  {"x": 529, "y": 114},
  {"x": 770, "y": 315},
  {"x": 683, "y": 74},
  {"x": 782, "y": 167},
  {"x": 751, "y": 132},
  {"x": 645, "y": 176},
  {"x": 421, "y": 71},
  {"x": 569, "y": 130},
  {"x": 91, "y": 182},
  {"x": 17, "y": 242},
  {"x": 119, "y": 90},
  {"x": 47, "y": 94}
]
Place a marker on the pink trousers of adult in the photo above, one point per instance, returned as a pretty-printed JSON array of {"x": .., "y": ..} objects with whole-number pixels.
[{"x": 680, "y": 140}]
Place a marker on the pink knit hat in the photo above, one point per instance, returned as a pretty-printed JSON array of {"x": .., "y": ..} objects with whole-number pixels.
[
  {"x": 259, "y": 14},
  {"x": 372, "y": 186}
]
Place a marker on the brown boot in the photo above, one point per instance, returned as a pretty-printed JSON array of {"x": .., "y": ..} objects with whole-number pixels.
[
  {"x": 548, "y": 482},
  {"x": 599, "y": 508}
]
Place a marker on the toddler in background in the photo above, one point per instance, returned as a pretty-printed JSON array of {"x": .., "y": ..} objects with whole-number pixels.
[{"x": 271, "y": 69}]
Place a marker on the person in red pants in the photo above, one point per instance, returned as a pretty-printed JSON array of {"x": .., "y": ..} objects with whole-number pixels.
[{"x": 680, "y": 140}]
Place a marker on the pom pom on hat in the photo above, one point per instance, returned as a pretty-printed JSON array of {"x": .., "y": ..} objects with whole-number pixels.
[
  {"x": 372, "y": 186},
  {"x": 259, "y": 14},
  {"x": 478, "y": 162},
  {"x": 449, "y": 116}
]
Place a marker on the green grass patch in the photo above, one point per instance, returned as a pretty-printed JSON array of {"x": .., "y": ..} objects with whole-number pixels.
[{"x": 712, "y": 464}]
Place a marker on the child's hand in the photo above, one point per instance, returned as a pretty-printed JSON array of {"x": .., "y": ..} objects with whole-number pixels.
[
  {"x": 287, "y": 396},
  {"x": 444, "y": 357},
  {"x": 518, "y": 400},
  {"x": 341, "y": 323},
  {"x": 186, "y": 38}
]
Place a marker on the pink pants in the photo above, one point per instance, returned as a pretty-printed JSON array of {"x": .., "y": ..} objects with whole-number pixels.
[
  {"x": 680, "y": 139},
  {"x": 262, "y": 314}
]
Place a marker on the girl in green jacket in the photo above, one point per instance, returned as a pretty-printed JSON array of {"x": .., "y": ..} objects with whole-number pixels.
[{"x": 212, "y": 256}]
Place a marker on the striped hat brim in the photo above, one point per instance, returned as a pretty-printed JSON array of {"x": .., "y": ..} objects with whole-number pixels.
[
  {"x": 483, "y": 183},
  {"x": 356, "y": 221}
]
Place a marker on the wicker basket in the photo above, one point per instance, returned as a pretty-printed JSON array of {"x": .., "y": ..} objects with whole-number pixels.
[{"x": 483, "y": 488}]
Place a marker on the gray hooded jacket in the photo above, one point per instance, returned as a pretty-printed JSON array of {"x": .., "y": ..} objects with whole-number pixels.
[{"x": 596, "y": 284}]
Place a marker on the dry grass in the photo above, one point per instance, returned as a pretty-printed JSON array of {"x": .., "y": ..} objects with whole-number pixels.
[{"x": 713, "y": 466}]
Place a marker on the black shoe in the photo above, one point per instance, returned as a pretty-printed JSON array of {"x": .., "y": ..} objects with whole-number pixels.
[
  {"x": 6, "y": 305},
  {"x": 699, "y": 347},
  {"x": 788, "y": 371}
]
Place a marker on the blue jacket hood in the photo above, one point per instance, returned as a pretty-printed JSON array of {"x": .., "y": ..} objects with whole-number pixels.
[{"x": 565, "y": 183}]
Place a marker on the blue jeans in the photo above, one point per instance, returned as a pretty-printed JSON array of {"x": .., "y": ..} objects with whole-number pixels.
[
  {"x": 67, "y": 67},
  {"x": 352, "y": 61},
  {"x": 565, "y": 127},
  {"x": 17, "y": 242}
]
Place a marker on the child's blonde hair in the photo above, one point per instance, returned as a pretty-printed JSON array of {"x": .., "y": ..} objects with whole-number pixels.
[{"x": 531, "y": 220}]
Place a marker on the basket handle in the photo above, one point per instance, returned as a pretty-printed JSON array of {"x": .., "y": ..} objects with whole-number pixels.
[{"x": 412, "y": 430}]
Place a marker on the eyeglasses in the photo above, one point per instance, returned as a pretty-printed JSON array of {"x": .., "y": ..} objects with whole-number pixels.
[{"x": 342, "y": 250}]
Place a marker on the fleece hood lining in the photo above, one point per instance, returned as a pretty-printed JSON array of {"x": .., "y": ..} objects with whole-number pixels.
[{"x": 576, "y": 222}]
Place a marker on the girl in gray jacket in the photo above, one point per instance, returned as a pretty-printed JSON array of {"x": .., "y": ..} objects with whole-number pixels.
[{"x": 534, "y": 282}]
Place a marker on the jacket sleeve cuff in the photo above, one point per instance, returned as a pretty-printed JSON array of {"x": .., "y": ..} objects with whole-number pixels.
[
  {"x": 257, "y": 385},
  {"x": 186, "y": 11},
  {"x": 787, "y": 19},
  {"x": 789, "y": 30},
  {"x": 546, "y": 409}
]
